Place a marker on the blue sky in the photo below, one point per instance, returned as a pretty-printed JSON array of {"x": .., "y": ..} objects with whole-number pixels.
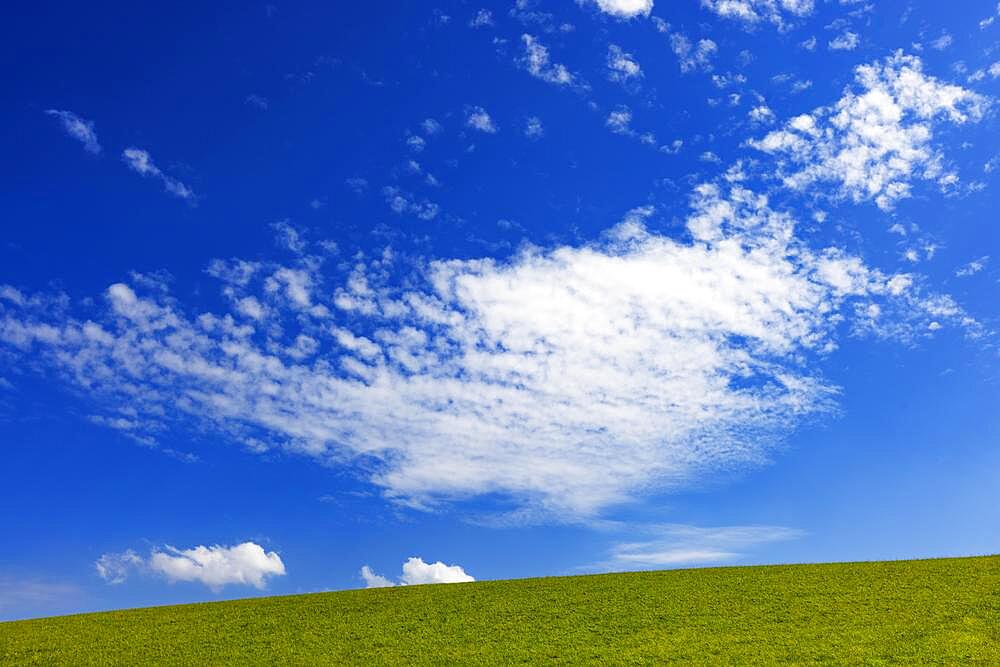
[{"x": 310, "y": 297}]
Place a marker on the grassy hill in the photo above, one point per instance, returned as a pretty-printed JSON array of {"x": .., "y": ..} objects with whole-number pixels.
[{"x": 931, "y": 611}]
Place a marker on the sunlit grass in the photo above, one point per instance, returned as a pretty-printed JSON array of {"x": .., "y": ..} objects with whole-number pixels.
[{"x": 931, "y": 611}]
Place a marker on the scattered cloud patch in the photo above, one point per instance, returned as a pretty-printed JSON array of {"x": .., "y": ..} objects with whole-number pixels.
[
  {"x": 693, "y": 57},
  {"x": 877, "y": 138},
  {"x": 479, "y": 119},
  {"x": 753, "y": 12},
  {"x": 846, "y": 41},
  {"x": 483, "y": 18},
  {"x": 141, "y": 162},
  {"x": 567, "y": 379},
  {"x": 78, "y": 128},
  {"x": 533, "y": 128},
  {"x": 538, "y": 63},
  {"x": 622, "y": 66},
  {"x": 973, "y": 267}
]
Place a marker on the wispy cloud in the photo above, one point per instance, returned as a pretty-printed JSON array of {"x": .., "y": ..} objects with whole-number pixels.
[
  {"x": 537, "y": 61},
  {"x": 23, "y": 597},
  {"x": 141, "y": 162},
  {"x": 78, "y": 128},
  {"x": 675, "y": 545}
]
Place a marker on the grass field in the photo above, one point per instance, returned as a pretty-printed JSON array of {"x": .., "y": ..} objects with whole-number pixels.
[{"x": 931, "y": 611}]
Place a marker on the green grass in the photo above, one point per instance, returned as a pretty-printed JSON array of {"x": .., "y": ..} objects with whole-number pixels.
[{"x": 942, "y": 611}]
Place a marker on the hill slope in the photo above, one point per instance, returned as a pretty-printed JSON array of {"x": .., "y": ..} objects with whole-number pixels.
[{"x": 945, "y": 610}]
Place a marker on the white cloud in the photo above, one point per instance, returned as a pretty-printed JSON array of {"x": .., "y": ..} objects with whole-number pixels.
[
  {"x": 483, "y": 17},
  {"x": 625, "y": 9},
  {"x": 877, "y": 138},
  {"x": 973, "y": 267},
  {"x": 114, "y": 568},
  {"x": 373, "y": 580},
  {"x": 404, "y": 203},
  {"x": 417, "y": 572},
  {"x": 942, "y": 42},
  {"x": 566, "y": 379},
  {"x": 78, "y": 128},
  {"x": 753, "y": 12},
  {"x": 697, "y": 57},
  {"x": 762, "y": 114},
  {"x": 809, "y": 44},
  {"x": 533, "y": 128},
  {"x": 847, "y": 41},
  {"x": 258, "y": 101},
  {"x": 478, "y": 118},
  {"x": 217, "y": 566},
  {"x": 416, "y": 143},
  {"x": 430, "y": 127},
  {"x": 141, "y": 162},
  {"x": 619, "y": 121},
  {"x": 538, "y": 63},
  {"x": 673, "y": 545},
  {"x": 622, "y": 66}
]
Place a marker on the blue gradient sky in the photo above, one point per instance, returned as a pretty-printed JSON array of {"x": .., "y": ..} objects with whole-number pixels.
[{"x": 285, "y": 136}]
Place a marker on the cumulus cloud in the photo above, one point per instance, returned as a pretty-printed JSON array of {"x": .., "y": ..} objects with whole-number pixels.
[
  {"x": 141, "y": 162},
  {"x": 877, "y": 138},
  {"x": 676, "y": 545},
  {"x": 373, "y": 580},
  {"x": 78, "y": 128},
  {"x": 215, "y": 566},
  {"x": 625, "y": 9},
  {"x": 538, "y": 63},
  {"x": 753, "y": 12},
  {"x": 417, "y": 572}
]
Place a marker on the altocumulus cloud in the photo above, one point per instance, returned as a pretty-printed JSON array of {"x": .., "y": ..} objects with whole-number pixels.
[
  {"x": 877, "y": 138},
  {"x": 416, "y": 572},
  {"x": 566, "y": 379},
  {"x": 215, "y": 566}
]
